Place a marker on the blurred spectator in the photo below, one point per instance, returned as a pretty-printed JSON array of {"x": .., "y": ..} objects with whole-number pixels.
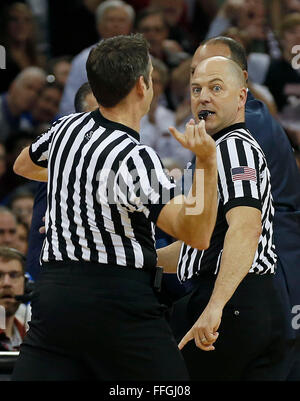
[
  {"x": 257, "y": 69},
  {"x": 22, "y": 237},
  {"x": 58, "y": 70},
  {"x": 283, "y": 77},
  {"x": 2, "y": 159},
  {"x": 154, "y": 129},
  {"x": 8, "y": 227},
  {"x": 21, "y": 96},
  {"x": 280, "y": 8},
  {"x": 175, "y": 15},
  {"x": 12, "y": 283},
  {"x": 21, "y": 204},
  {"x": 113, "y": 17},
  {"x": 10, "y": 181},
  {"x": 18, "y": 37},
  {"x": 45, "y": 110},
  {"x": 249, "y": 16},
  {"x": 152, "y": 23}
]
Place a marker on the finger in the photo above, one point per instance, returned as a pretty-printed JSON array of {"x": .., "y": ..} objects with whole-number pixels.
[
  {"x": 210, "y": 337},
  {"x": 178, "y": 136},
  {"x": 200, "y": 130},
  {"x": 188, "y": 337},
  {"x": 42, "y": 230},
  {"x": 44, "y": 218}
]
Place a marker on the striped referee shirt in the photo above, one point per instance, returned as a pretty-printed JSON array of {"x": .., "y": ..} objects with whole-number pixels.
[
  {"x": 105, "y": 192},
  {"x": 243, "y": 180}
]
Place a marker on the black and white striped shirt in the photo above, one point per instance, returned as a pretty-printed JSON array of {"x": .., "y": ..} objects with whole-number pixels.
[
  {"x": 243, "y": 180},
  {"x": 105, "y": 192}
]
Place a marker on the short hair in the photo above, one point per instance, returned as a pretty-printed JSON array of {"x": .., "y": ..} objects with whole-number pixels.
[
  {"x": 31, "y": 71},
  {"x": 6, "y": 210},
  {"x": 237, "y": 50},
  {"x": 115, "y": 64},
  {"x": 109, "y": 4},
  {"x": 7, "y": 254},
  {"x": 289, "y": 22},
  {"x": 81, "y": 94}
]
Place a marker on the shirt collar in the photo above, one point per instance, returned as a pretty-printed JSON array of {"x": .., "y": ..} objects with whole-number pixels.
[
  {"x": 226, "y": 130},
  {"x": 98, "y": 117}
]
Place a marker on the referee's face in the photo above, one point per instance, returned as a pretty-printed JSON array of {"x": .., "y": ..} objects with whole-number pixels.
[{"x": 217, "y": 87}]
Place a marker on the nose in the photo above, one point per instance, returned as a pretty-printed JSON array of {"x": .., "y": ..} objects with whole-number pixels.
[
  {"x": 6, "y": 281},
  {"x": 204, "y": 96}
]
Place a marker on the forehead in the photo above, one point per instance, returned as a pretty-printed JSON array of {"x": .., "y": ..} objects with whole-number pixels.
[
  {"x": 8, "y": 265},
  {"x": 7, "y": 220},
  {"x": 210, "y": 50},
  {"x": 210, "y": 70}
]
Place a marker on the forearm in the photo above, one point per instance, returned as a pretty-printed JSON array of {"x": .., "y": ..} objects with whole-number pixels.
[
  {"x": 238, "y": 254},
  {"x": 24, "y": 167},
  {"x": 168, "y": 256},
  {"x": 200, "y": 210}
]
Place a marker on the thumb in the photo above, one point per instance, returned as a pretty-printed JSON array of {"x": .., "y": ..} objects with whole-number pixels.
[{"x": 178, "y": 136}]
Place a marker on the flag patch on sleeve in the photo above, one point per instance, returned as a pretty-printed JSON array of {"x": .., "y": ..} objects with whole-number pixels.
[{"x": 243, "y": 174}]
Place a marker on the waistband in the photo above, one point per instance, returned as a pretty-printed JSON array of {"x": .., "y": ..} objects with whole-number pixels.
[{"x": 152, "y": 277}]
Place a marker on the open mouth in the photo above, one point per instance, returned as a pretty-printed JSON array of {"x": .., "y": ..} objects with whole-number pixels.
[{"x": 203, "y": 114}]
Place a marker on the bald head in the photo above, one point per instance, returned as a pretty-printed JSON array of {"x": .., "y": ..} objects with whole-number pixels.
[
  {"x": 227, "y": 67},
  {"x": 218, "y": 88}
]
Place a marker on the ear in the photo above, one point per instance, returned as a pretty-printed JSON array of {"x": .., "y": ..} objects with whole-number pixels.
[
  {"x": 242, "y": 97},
  {"x": 141, "y": 86}
]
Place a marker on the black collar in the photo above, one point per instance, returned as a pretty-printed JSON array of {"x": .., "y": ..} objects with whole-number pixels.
[
  {"x": 226, "y": 130},
  {"x": 99, "y": 118}
]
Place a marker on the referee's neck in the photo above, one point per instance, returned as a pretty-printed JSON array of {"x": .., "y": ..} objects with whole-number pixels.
[{"x": 128, "y": 116}]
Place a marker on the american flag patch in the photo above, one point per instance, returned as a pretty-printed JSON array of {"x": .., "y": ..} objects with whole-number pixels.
[{"x": 243, "y": 174}]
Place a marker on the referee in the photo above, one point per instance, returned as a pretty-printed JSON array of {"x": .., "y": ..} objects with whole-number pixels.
[
  {"x": 235, "y": 297},
  {"x": 96, "y": 314}
]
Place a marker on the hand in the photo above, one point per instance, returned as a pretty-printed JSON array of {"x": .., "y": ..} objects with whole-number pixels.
[
  {"x": 204, "y": 332},
  {"x": 196, "y": 139}
]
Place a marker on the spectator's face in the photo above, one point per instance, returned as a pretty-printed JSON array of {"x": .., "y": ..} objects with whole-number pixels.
[
  {"x": 61, "y": 72},
  {"x": 11, "y": 284},
  {"x": 2, "y": 160},
  {"x": 8, "y": 230},
  {"x": 291, "y": 38},
  {"x": 214, "y": 87},
  {"x": 47, "y": 105},
  {"x": 25, "y": 91},
  {"x": 20, "y": 24},
  {"x": 22, "y": 239},
  {"x": 22, "y": 208},
  {"x": 172, "y": 9},
  {"x": 114, "y": 22},
  {"x": 155, "y": 31}
]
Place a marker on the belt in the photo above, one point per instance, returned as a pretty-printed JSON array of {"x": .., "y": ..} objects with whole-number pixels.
[{"x": 152, "y": 277}]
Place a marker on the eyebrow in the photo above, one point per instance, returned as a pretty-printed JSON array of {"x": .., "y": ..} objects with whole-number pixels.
[{"x": 210, "y": 82}]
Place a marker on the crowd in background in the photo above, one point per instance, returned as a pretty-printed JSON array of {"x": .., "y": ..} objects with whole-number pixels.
[{"x": 47, "y": 43}]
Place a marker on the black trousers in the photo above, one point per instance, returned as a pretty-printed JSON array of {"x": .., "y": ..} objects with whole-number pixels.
[
  {"x": 97, "y": 322},
  {"x": 251, "y": 342}
]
